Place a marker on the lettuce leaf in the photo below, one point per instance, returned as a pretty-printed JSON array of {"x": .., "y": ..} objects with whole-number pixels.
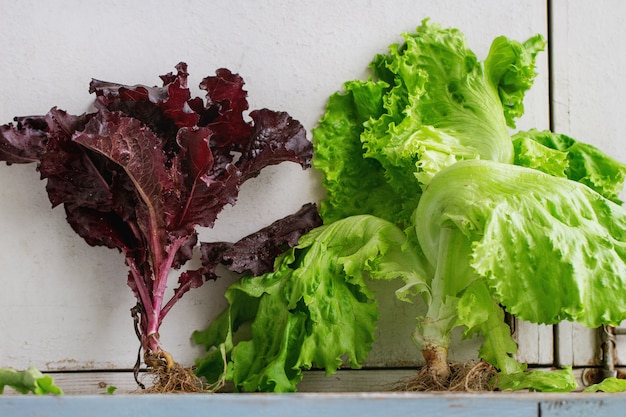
[
  {"x": 561, "y": 155},
  {"x": 314, "y": 309},
  {"x": 545, "y": 248},
  {"x": 27, "y": 381},
  {"x": 610, "y": 384},
  {"x": 565, "y": 246},
  {"x": 430, "y": 103},
  {"x": 561, "y": 380}
]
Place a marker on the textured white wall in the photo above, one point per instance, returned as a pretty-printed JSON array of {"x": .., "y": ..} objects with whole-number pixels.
[{"x": 65, "y": 305}]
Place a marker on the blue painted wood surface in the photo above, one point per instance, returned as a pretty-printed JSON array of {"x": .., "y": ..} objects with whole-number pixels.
[{"x": 317, "y": 404}]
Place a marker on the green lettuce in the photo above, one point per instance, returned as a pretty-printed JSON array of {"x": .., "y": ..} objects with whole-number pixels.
[
  {"x": 562, "y": 156},
  {"x": 546, "y": 248},
  {"x": 485, "y": 235},
  {"x": 427, "y": 189},
  {"x": 561, "y": 380},
  {"x": 430, "y": 103},
  {"x": 315, "y": 308},
  {"x": 27, "y": 381}
]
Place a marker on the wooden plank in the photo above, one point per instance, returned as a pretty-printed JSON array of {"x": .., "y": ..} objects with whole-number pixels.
[
  {"x": 318, "y": 404},
  {"x": 577, "y": 345},
  {"x": 349, "y": 392},
  {"x": 580, "y": 406},
  {"x": 535, "y": 343},
  {"x": 275, "y": 405}
]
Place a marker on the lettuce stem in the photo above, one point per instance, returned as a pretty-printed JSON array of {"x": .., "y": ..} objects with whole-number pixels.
[{"x": 451, "y": 277}]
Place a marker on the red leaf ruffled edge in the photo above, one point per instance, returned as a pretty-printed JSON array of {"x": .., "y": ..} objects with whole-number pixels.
[{"x": 256, "y": 252}]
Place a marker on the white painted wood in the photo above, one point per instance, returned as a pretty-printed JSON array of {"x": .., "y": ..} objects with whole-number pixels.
[
  {"x": 577, "y": 345},
  {"x": 65, "y": 305},
  {"x": 534, "y": 342},
  {"x": 565, "y": 344},
  {"x": 589, "y": 86}
]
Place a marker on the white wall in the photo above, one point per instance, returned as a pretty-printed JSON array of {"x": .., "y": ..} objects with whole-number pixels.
[{"x": 65, "y": 305}]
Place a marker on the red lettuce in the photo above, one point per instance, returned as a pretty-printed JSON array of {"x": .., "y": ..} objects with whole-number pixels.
[{"x": 149, "y": 165}]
